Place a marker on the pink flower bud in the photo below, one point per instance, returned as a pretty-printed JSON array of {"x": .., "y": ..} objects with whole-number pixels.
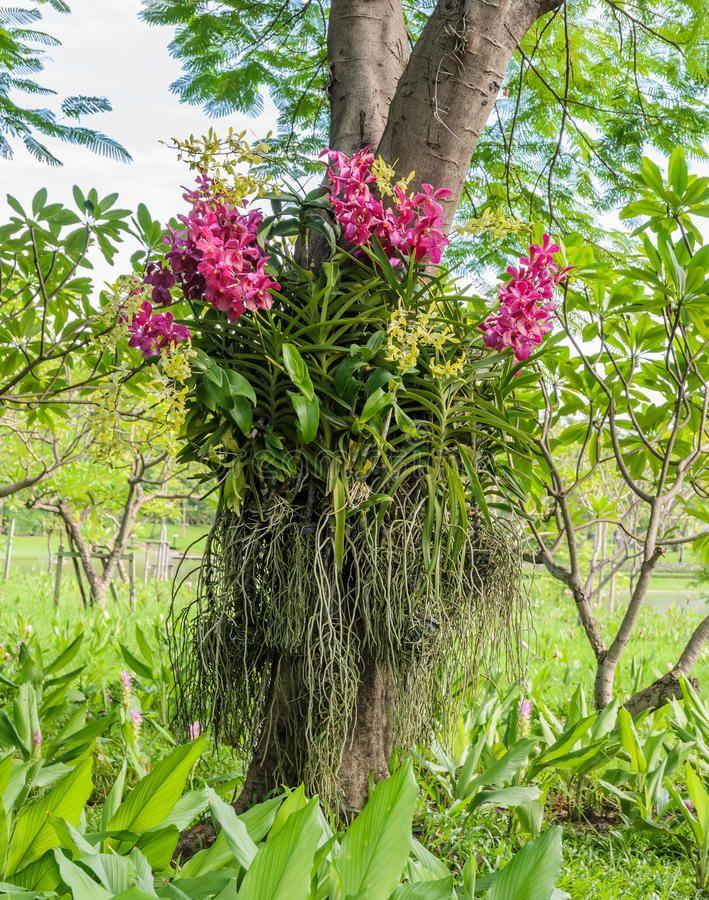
[{"x": 194, "y": 730}]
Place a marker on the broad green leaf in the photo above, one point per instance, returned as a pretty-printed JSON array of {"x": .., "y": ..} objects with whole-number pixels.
[
  {"x": 240, "y": 387},
  {"x": 377, "y": 401},
  {"x": 153, "y": 798},
  {"x": 259, "y": 818},
  {"x": 298, "y": 371},
  {"x": 295, "y": 801},
  {"x": 308, "y": 413},
  {"x": 504, "y": 768},
  {"x": 234, "y": 830},
  {"x": 34, "y": 834},
  {"x": 533, "y": 871},
  {"x": 699, "y": 797},
  {"x": 282, "y": 868},
  {"x": 115, "y": 796},
  {"x": 375, "y": 848},
  {"x": 630, "y": 742},
  {"x": 439, "y": 889},
  {"x": 66, "y": 655},
  {"x": 677, "y": 171},
  {"x": 79, "y": 882},
  {"x": 505, "y": 797},
  {"x": 137, "y": 665}
]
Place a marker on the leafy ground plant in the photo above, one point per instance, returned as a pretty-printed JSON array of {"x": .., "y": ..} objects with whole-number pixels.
[{"x": 281, "y": 848}]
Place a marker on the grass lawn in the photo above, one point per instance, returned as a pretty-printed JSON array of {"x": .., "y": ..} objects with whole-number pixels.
[{"x": 602, "y": 857}]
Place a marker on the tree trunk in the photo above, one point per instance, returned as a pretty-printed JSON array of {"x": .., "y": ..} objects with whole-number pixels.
[
  {"x": 97, "y": 586},
  {"x": 368, "y": 48},
  {"x": 425, "y": 112},
  {"x": 366, "y": 753},
  {"x": 371, "y": 738},
  {"x": 447, "y": 93}
]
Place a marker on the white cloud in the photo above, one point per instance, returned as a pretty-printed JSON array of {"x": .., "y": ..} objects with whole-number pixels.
[{"x": 107, "y": 51}]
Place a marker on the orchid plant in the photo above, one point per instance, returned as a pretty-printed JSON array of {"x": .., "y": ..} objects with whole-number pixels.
[{"x": 357, "y": 416}]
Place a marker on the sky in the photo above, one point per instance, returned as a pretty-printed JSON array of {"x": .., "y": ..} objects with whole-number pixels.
[{"x": 107, "y": 51}]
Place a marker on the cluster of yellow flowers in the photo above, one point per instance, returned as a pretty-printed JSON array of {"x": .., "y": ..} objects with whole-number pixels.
[
  {"x": 450, "y": 368},
  {"x": 124, "y": 296},
  {"x": 106, "y": 421},
  {"x": 227, "y": 161},
  {"x": 495, "y": 223},
  {"x": 177, "y": 363},
  {"x": 385, "y": 175},
  {"x": 408, "y": 331}
]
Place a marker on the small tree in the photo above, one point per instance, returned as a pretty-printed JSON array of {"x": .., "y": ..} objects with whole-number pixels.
[
  {"x": 127, "y": 465},
  {"x": 626, "y": 402},
  {"x": 58, "y": 332}
]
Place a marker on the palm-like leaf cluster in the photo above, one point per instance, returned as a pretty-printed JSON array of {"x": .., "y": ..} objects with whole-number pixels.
[{"x": 22, "y": 57}]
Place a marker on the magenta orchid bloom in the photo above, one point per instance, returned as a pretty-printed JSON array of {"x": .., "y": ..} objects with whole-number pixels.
[
  {"x": 153, "y": 331},
  {"x": 215, "y": 258},
  {"x": 411, "y": 227},
  {"x": 526, "y": 307}
]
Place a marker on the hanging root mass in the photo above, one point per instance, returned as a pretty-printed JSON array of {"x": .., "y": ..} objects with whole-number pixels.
[{"x": 274, "y": 618}]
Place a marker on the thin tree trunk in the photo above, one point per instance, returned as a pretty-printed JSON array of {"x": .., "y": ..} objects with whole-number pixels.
[
  {"x": 608, "y": 661},
  {"x": 97, "y": 587}
]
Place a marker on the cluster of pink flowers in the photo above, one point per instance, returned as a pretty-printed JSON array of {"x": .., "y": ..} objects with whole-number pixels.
[
  {"x": 411, "y": 227},
  {"x": 215, "y": 257},
  {"x": 526, "y": 305},
  {"x": 155, "y": 331}
]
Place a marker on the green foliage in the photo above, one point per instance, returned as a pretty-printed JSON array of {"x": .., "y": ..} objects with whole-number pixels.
[
  {"x": 23, "y": 56},
  {"x": 348, "y": 426},
  {"x": 635, "y": 769},
  {"x": 605, "y": 839},
  {"x": 49, "y": 312},
  {"x": 48, "y": 848},
  {"x": 556, "y": 149}
]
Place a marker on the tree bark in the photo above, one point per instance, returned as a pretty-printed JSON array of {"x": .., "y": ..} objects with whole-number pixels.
[
  {"x": 371, "y": 736},
  {"x": 368, "y": 48},
  {"x": 446, "y": 94}
]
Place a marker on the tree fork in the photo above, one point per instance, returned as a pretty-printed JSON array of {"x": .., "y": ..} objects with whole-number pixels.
[
  {"x": 425, "y": 111},
  {"x": 448, "y": 89}
]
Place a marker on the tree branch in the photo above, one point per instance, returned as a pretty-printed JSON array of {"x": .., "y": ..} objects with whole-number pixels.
[
  {"x": 447, "y": 92},
  {"x": 658, "y": 693},
  {"x": 368, "y": 48}
]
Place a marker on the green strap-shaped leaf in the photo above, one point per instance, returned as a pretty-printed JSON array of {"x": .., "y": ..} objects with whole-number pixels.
[
  {"x": 237, "y": 836},
  {"x": 339, "y": 502},
  {"x": 283, "y": 866},
  {"x": 374, "y": 851}
]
